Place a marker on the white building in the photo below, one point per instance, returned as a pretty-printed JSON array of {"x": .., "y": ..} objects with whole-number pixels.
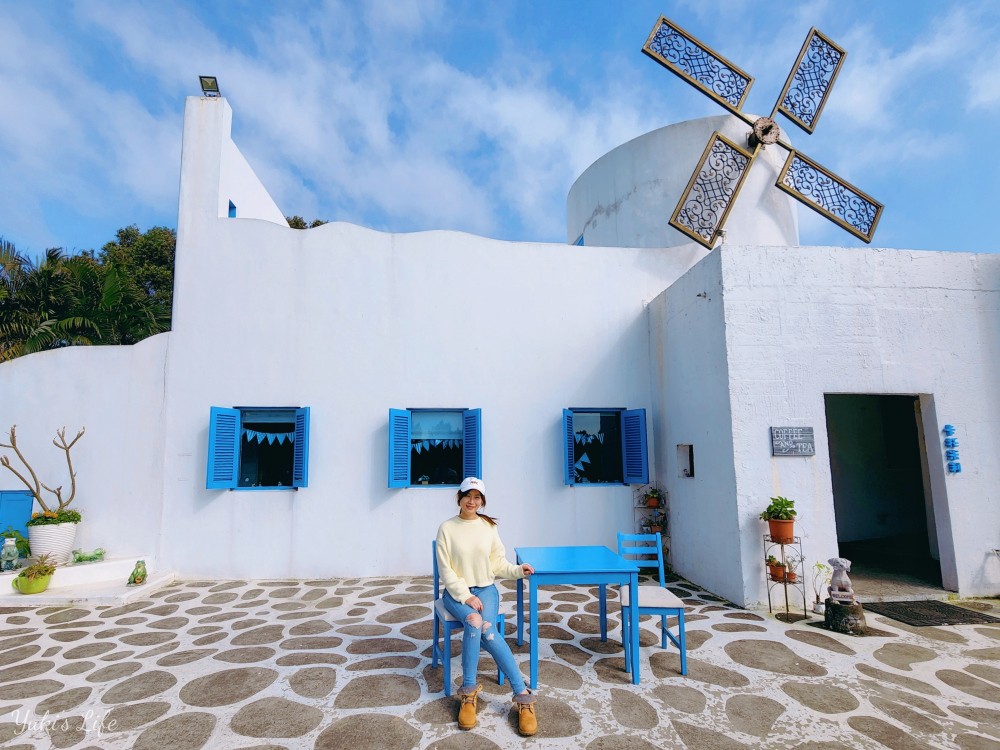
[{"x": 307, "y": 340}]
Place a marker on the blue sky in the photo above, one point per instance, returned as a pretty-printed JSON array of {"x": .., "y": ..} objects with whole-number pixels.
[{"x": 424, "y": 114}]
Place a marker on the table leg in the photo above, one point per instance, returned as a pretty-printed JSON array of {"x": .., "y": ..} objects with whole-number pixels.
[
  {"x": 633, "y": 616},
  {"x": 533, "y": 607},
  {"x": 520, "y": 611},
  {"x": 604, "y": 611}
]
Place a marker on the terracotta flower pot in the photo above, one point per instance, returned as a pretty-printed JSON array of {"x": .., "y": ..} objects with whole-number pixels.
[
  {"x": 652, "y": 502},
  {"x": 782, "y": 532},
  {"x": 777, "y": 572}
]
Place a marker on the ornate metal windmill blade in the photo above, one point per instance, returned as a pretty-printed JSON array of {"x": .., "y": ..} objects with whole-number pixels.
[
  {"x": 823, "y": 191},
  {"x": 699, "y": 65},
  {"x": 810, "y": 81},
  {"x": 710, "y": 193}
]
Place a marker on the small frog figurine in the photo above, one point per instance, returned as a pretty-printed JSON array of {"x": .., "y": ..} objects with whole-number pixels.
[
  {"x": 8, "y": 555},
  {"x": 138, "y": 576}
]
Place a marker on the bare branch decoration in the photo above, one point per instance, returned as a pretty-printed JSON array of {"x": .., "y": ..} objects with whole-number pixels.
[{"x": 35, "y": 486}]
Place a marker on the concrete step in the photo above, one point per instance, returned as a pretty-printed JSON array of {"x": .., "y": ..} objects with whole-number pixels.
[{"x": 94, "y": 583}]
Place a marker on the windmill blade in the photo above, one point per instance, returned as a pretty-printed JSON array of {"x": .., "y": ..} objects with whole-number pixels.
[
  {"x": 810, "y": 81},
  {"x": 698, "y": 64},
  {"x": 710, "y": 193},
  {"x": 825, "y": 192}
]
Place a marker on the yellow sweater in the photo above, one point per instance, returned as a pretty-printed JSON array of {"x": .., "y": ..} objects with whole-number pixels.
[{"x": 470, "y": 553}]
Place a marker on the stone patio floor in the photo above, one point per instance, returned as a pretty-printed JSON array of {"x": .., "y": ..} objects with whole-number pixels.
[{"x": 345, "y": 663}]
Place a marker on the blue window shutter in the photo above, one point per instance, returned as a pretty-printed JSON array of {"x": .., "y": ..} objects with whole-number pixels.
[
  {"x": 223, "y": 448},
  {"x": 399, "y": 448},
  {"x": 568, "y": 473},
  {"x": 634, "y": 446},
  {"x": 472, "y": 435},
  {"x": 15, "y": 510},
  {"x": 300, "y": 457}
]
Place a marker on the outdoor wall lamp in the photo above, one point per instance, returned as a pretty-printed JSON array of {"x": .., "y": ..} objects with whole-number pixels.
[{"x": 209, "y": 86}]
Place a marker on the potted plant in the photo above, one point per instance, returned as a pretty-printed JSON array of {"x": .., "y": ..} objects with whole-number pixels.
[
  {"x": 653, "y": 497},
  {"x": 52, "y": 530},
  {"x": 780, "y": 517},
  {"x": 35, "y": 578},
  {"x": 775, "y": 568},
  {"x": 792, "y": 567},
  {"x": 656, "y": 521},
  {"x": 821, "y": 579}
]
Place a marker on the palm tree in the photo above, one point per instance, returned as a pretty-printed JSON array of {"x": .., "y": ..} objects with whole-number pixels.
[
  {"x": 71, "y": 300},
  {"x": 38, "y": 304}
]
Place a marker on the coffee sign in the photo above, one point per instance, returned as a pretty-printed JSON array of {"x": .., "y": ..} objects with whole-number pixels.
[{"x": 793, "y": 441}]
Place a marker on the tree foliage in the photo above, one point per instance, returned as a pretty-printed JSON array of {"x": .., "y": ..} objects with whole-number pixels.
[
  {"x": 119, "y": 296},
  {"x": 297, "y": 222}
]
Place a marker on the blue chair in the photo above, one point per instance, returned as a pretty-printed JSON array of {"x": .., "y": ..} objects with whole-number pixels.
[
  {"x": 443, "y": 617},
  {"x": 653, "y": 600}
]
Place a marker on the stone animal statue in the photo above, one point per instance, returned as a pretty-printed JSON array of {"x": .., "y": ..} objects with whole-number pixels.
[
  {"x": 138, "y": 576},
  {"x": 840, "y": 587}
]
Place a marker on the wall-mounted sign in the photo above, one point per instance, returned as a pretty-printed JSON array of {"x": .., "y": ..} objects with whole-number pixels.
[
  {"x": 793, "y": 441},
  {"x": 951, "y": 450}
]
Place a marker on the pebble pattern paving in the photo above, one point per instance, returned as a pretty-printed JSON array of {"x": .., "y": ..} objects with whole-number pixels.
[{"x": 345, "y": 663}]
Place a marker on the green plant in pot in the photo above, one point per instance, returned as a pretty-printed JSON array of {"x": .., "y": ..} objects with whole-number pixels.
[
  {"x": 35, "y": 578},
  {"x": 780, "y": 517},
  {"x": 52, "y": 529},
  {"x": 653, "y": 497},
  {"x": 791, "y": 567},
  {"x": 656, "y": 521},
  {"x": 822, "y": 574},
  {"x": 775, "y": 568}
]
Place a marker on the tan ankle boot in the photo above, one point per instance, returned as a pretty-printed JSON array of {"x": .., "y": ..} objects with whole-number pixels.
[
  {"x": 467, "y": 710},
  {"x": 527, "y": 721}
]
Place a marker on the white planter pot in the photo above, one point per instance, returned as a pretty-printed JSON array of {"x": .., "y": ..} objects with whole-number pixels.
[
  {"x": 819, "y": 608},
  {"x": 54, "y": 539}
]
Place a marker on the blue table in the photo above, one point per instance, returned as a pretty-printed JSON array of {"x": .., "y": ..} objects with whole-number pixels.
[{"x": 578, "y": 565}]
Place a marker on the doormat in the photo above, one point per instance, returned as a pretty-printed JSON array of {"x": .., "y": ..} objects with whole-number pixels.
[{"x": 929, "y": 612}]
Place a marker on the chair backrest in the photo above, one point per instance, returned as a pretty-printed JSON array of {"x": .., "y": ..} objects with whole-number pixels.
[
  {"x": 637, "y": 548},
  {"x": 434, "y": 557}
]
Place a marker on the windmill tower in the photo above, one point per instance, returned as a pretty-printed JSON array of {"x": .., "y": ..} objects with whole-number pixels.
[{"x": 707, "y": 206}]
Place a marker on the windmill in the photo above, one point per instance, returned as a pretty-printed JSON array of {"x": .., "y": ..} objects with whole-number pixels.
[{"x": 724, "y": 165}]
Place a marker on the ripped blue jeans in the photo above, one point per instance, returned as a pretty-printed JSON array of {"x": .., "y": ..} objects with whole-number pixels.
[{"x": 484, "y": 636}]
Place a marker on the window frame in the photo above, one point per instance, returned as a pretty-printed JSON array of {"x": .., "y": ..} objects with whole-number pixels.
[
  {"x": 635, "y": 451},
  {"x": 400, "y": 432},
  {"x": 224, "y": 435}
]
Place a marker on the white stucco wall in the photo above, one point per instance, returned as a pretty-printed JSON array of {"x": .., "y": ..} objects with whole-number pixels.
[
  {"x": 691, "y": 404},
  {"x": 626, "y": 197},
  {"x": 351, "y": 323},
  {"x": 801, "y": 323},
  {"x": 117, "y": 394}
]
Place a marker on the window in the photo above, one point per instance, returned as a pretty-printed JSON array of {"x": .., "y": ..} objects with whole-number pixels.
[
  {"x": 258, "y": 448},
  {"x": 433, "y": 446},
  {"x": 605, "y": 446}
]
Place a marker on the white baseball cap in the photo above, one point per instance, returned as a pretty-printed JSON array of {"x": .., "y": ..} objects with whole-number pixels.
[{"x": 472, "y": 483}]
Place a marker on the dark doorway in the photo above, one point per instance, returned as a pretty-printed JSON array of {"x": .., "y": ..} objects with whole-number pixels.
[{"x": 885, "y": 520}]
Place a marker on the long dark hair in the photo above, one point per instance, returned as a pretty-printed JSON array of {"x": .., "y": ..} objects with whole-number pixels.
[{"x": 489, "y": 519}]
